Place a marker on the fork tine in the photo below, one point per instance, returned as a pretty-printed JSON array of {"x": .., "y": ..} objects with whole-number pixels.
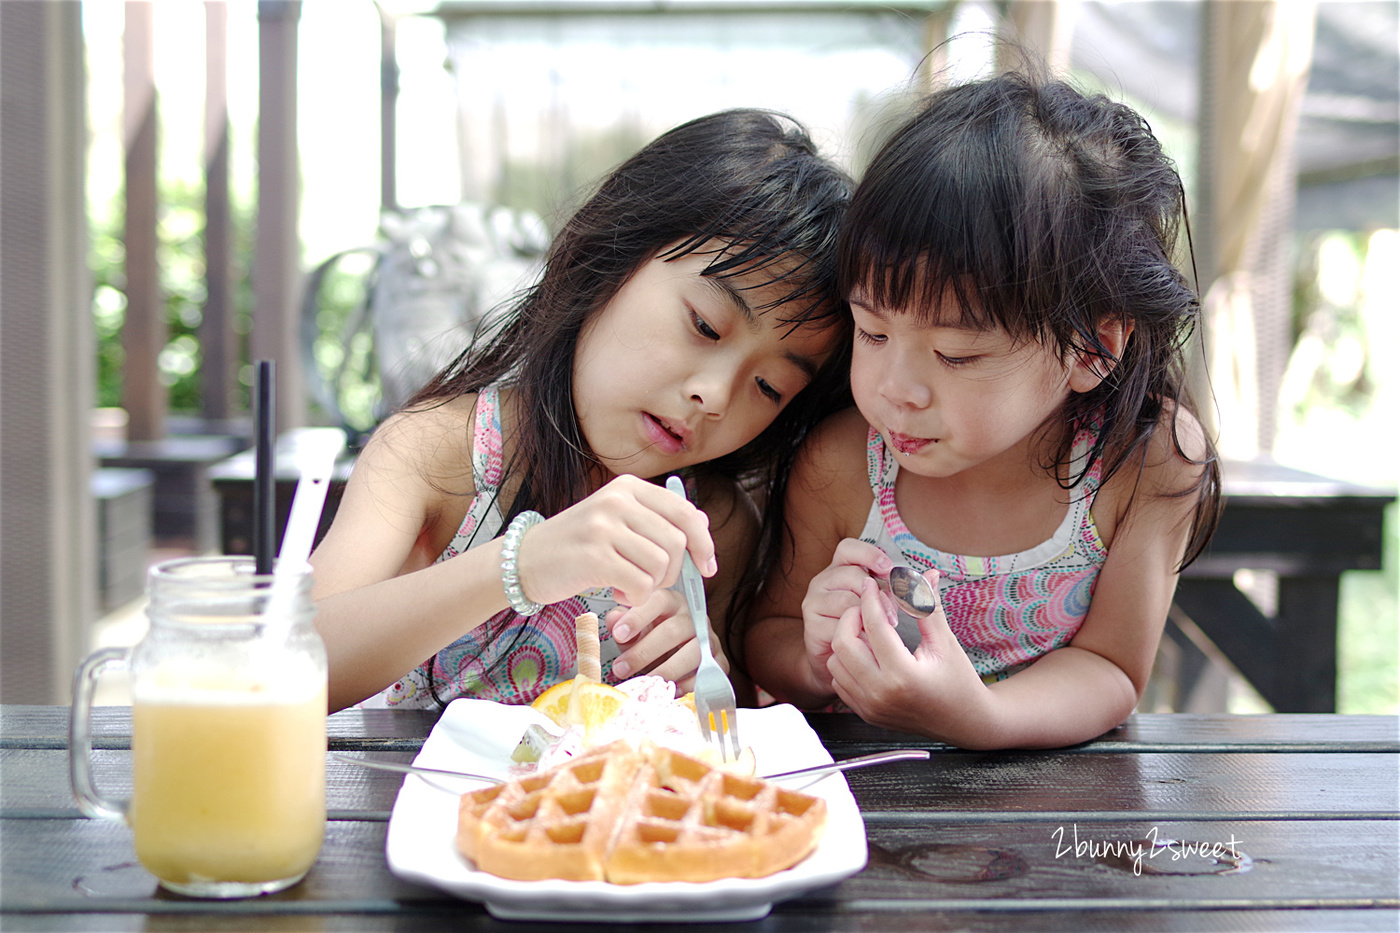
[
  {"x": 703, "y": 708},
  {"x": 722, "y": 728},
  {"x": 733, "y": 730}
]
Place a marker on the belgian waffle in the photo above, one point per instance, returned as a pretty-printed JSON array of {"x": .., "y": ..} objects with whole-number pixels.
[{"x": 630, "y": 814}]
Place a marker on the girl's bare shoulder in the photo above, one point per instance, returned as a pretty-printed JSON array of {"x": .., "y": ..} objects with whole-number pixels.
[
  {"x": 430, "y": 445},
  {"x": 1166, "y": 469},
  {"x": 835, "y": 450},
  {"x": 830, "y": 476},
  {"x": 1177, "y": 454}
]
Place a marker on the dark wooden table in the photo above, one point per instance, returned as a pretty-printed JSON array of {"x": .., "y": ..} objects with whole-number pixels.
[
  {"x": 1302, "y": 531},
  {"x": 964, "y": 841}
]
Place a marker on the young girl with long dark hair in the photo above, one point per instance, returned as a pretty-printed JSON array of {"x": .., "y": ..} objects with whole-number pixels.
[
  {"x": 687, "y": 321},
  {"x": 1023, "y": 434}
]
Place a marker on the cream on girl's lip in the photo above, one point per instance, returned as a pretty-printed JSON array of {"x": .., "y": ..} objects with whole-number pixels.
[
  {"x": 671, "y": 439},
  {"x": 907, "y": 443}
]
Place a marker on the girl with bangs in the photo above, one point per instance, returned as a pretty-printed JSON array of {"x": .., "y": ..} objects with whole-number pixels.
[
  {"x": 687, "y": 321},
  {"x": 1023, "y": 435}
]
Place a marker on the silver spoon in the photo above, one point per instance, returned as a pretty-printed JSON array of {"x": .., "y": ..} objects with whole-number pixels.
[
  {"x": 413, "y": 769},
  {"x": 846, "y": 764},
  {"x": 911, "y": 591}
]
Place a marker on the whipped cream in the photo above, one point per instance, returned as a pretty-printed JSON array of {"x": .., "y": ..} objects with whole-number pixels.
[{"x": 651, "y": 711}]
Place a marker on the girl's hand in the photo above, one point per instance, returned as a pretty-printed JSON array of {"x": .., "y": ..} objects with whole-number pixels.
[
  {"x": 629, "y": 535},
  {"x": 831, "y": 594},
  {"x": 933, "y": 691},
  {"x": 658, "y": 637}
]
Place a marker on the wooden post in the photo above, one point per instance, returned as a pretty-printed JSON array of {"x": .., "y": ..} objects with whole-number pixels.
[
  {"x": 388, "y": 110},
  {"x": 1040, "y": 27},
  {"x": 1255, "y": 57},
  {"x": 48, "y": 551},
  {"x": 277, "y": 255},
  {"x": 144, "y": 331},
  {"x": 217, "y": 340}
]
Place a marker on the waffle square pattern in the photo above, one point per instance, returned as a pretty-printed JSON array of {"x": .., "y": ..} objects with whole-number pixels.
[{"x": 633, "y": 813}]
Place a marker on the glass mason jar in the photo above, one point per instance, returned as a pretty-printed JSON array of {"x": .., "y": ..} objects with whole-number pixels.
[{"x": 228, "y": 729}]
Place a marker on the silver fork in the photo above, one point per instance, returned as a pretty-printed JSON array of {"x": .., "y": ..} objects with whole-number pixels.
[{"x": 714, "y": 694}]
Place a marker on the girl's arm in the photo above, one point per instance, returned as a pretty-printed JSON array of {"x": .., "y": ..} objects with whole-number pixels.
[
  {"x": 828, "y": 498},
  {"x": 382, "y": 605},
  {"x": 1070, "y": 695}
]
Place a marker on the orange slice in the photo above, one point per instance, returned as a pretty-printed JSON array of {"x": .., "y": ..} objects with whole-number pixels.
[
  {"x": 593, "y": 704},
  {"x": 580, "y": 702},
  {"x": 554, "y": 702}
]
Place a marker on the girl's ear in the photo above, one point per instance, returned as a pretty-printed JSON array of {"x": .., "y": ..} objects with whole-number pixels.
[{"x": 1088, "y": 369}]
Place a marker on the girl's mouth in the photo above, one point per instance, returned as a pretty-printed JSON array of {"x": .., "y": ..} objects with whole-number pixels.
[
  {"x": 662, "y": 435},
  {"x": 907, "y": 444}
]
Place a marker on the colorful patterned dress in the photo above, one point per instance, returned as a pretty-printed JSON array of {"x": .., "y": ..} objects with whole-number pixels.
[
  {"x": 526, "y": 655},
  {"x": 1005, "y": 611}
]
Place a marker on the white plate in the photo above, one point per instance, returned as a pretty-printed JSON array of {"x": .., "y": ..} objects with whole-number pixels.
[{"x": 478, "y": 736}]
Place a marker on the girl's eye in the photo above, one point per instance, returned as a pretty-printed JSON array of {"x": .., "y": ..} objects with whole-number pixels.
[
  {"x": 866, "y": 337},
  {"x": 957, "y": 360},
  {"x": 702, "y": 327},
  {"x": 770, "y": 392}
]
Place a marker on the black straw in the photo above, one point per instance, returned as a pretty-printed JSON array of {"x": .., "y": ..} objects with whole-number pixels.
[{"x": 264, "y": 495}]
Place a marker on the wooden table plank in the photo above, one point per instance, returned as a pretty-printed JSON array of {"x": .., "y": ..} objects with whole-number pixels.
[
  {"x": 1231, "y": 785},
  {"x": 36, "y": 783},
  {"x": 1156, "y": 731},
  {"x": 947, "y": 918},
  {"x": 47, "y": 726},
  {"x": 1285, "y": 865}
]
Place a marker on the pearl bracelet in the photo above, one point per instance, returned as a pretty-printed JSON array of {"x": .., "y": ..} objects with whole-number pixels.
[{"x": 510, "y": 554}]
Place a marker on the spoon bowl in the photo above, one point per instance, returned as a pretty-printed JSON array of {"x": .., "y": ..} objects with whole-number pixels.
[{"x": 911, "y": 592}]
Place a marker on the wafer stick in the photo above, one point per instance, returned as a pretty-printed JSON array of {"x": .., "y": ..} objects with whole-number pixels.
[{"x": 590, "y": 664}]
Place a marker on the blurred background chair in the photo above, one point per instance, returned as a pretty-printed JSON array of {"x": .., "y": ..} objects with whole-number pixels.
[{"x": 377, "y": 322}]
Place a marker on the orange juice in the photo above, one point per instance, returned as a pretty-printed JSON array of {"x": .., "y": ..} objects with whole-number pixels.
[{"x": 228, "y": 785}]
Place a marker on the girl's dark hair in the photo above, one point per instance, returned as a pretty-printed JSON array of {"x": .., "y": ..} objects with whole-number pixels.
[
  {"x": 751, "y": 179},
  {"x": 1043, "y": 211}
]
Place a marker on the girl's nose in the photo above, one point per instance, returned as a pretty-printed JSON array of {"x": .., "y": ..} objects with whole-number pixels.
[
  {"x": 901, "y": 385},
  {"x": 712, "y": 391}
]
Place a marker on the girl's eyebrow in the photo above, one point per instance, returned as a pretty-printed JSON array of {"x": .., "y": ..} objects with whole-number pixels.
[
  {"x": 730, "y": 295},
  {"x": 733, "y": 297},
  {"x": 859, "y": 301}
]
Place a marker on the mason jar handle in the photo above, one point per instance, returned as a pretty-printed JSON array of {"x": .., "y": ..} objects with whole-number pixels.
[{"x": 90, "y": 801}]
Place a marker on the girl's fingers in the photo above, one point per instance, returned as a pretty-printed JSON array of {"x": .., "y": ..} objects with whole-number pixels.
[
  {"x": 862, "y": 554},
  {"x": 662, "y": 629},
  {"x": 662, "y": 660},
  {"x": 680, "y": 664},
  {"x": 845, "y": 666},
  {"x": 886, "y": 646},
  {"x": 848, "y": 641},
  {"x": 634, "y": 623},
  {"x": 690, "y": 520}
]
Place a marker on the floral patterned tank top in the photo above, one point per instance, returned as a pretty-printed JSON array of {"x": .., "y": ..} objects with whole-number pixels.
[
  {"x": 1005, "y": 611},
  {"x": 509, "y": 658}
]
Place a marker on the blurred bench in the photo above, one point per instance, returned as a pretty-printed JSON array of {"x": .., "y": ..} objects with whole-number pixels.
[
  {"x": 232, "y": 480},
  {"x": 123, "y": 499},
  {"x": 1297, "y": 533},
  {"x": 183, "y": 506}
]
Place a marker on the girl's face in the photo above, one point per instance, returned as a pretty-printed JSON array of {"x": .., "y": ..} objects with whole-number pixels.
[
  {"x": 948, "y": 399},
  {"x": 678, "y": 368}
]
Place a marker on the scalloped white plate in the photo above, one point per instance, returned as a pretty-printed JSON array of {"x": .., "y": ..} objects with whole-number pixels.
[{"x": 478, "y": 736}]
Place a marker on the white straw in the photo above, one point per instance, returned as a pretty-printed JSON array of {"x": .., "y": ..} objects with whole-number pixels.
[{"x": 314, "y": 454}]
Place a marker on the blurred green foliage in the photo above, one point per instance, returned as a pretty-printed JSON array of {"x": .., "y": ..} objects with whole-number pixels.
[{"x": 180, "y": 258}]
